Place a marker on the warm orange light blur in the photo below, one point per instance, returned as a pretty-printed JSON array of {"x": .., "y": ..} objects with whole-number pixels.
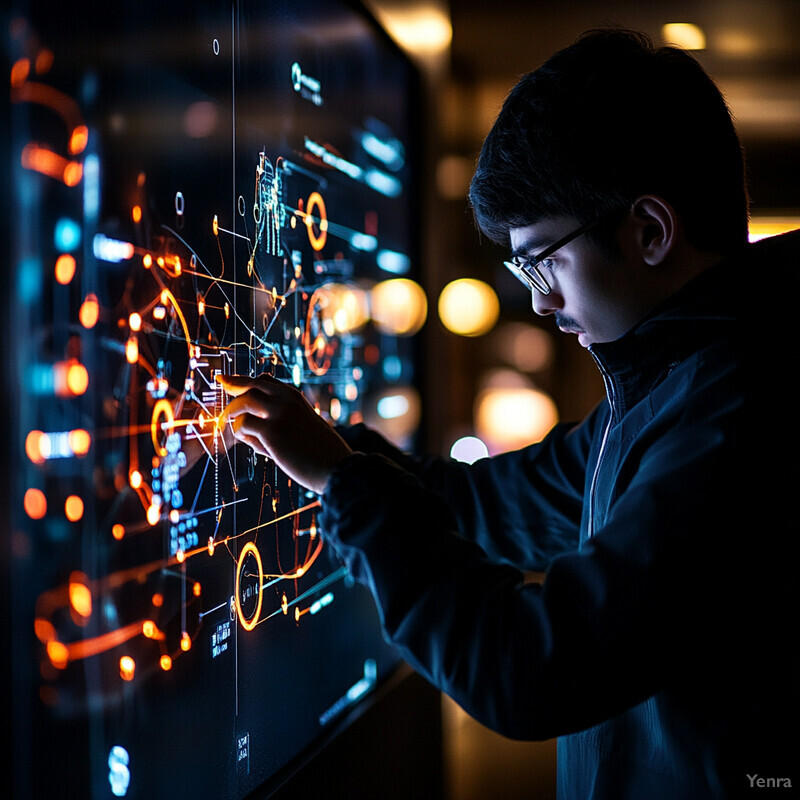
[
  {"x": 65, "y": 268},
  {"x": 40, "y": 159},
  {"x": 20, "y": 71},
  {"x": 166, "y": 662},
  {"x": 186, "y": 642},
  {"x": 153, "y": 514},
  {"x": 136, "y": 213},
  {"x": 135, "y": 479},
  {"x": 77, "y": 377},
  {"x": 686, "y": 35},
  {"x": 127, "y": 668},
  {"x": 73, "y": 172},
  {"x": 35, "y": 503},
  {"x": 118, "y": 531},
  {"x": 509, "y": 417},
  {"x": 90, "y": 311},
  {"x": 34, "y": 442},
  {"x": 135, "y": 321},
  {"x": 196, "y": 589},
  {"x": 157, "y": 600},
  {"x": 399, "y": 306},
  {"x": 79, "y": 441},
  {"x": 149, "y": 628},
  {"x": 468, "y": 307},
  {"x": 79, "y": 139},
  {"x": 132, "y": 350},
  {"x": 80, "y": 598},
  {"x": 58, "y": 654},
  {"x": 147, "y": 261},
  {"x": 73, "y": 508}
]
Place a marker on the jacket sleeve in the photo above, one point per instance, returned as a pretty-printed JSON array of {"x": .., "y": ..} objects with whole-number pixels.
[
  {"x": 606, "y": 630},
  {"x": 522, "y": 508}
]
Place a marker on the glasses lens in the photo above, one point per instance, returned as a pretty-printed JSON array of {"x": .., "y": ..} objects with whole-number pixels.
[{"x": 528, "y": 275}]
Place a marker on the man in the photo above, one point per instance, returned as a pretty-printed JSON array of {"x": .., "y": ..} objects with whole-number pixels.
[{"x": 658, "y": 647}]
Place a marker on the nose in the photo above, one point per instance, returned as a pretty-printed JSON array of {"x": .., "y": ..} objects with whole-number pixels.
[{"x": 544, "y": 304}]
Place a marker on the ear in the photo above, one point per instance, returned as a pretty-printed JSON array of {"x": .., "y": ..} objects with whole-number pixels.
[{"x": 655, "y": 228}]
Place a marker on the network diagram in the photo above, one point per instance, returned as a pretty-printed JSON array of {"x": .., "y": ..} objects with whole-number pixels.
[{"x": 175, "y": 553}]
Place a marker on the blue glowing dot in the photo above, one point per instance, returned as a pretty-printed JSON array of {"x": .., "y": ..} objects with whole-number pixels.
[
  {"x": 67, "y": 235},
  {"x": 392, "y": 368}
]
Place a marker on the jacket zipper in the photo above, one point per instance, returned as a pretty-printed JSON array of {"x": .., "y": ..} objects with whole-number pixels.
[{"x": 609, "y": 386}]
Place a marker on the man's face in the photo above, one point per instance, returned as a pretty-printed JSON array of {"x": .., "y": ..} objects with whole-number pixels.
[{"x": 596, "y": 298}]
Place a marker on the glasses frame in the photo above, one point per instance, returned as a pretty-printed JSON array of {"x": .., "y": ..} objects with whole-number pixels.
[{"x": 526, "y": 270}]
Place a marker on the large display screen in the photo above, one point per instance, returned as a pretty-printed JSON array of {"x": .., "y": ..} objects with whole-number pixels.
[{"x": 195, "y": 188}]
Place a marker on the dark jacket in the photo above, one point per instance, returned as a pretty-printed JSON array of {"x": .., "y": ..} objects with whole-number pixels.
[{"x": 660, "y": 647}]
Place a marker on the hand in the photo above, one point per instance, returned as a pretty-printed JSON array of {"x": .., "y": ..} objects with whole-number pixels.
[{"x": 275, "y": 419}]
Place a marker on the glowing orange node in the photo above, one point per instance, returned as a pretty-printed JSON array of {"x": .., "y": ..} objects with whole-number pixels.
[
  {"x": 65, "y": 268},
  {"x": 79, "y": 441},
  {"x": 149, "y": 628},
  {"x": 90, "y": 311},
  {"x": 153, "y": 514},
  {"x": 174, "y": 515},
  {"x": 79, "y": 139},
  {"x": 165, "y": 662},
  {"x": 196, "y": 589},
  {"x": 186, "y": 642},
  {"x": 136, "y": 213},
  {"x": 118, "y": 531},
  {"x": 159, "y": 312},
  {"x": 58, "y": 654},
  {"x": 132, "y": 350},
  {"x": 135, "y": 321},
  {"x": 20, "y": 72},
  {"x": 35, "y": 503},
  {"x": 147, "y": 261},
  {"x": 73, "y": 508},
  {"x": 80, "y": 597},
  {"x": 127, "y": 668},
  {"x": 135, "y": 479},
  {"x": 158, "y": 600},
  {"x": 73, "y": 172},
  {"x": 33, "y": 446},
  {"x": 317, "y": 240},
  {"x": 77, "y": 378}
]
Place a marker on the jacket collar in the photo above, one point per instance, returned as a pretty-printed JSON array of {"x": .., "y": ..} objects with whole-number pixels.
[{"x": 705, "y": 309}]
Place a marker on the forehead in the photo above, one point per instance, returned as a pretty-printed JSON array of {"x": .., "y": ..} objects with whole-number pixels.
[{"x": 530, "y": 239}]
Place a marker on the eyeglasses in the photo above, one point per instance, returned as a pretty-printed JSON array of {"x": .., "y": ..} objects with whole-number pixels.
[{"x": 527, "y": 270}]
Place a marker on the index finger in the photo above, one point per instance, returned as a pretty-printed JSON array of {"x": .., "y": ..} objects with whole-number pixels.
[{"x": 235, "y": 385}]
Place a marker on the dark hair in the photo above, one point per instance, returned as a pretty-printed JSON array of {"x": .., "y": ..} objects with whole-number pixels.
[{"x": 603, "y": 121}]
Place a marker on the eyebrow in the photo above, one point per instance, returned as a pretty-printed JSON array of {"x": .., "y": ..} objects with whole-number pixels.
[{"x": 532, "y": 246}]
